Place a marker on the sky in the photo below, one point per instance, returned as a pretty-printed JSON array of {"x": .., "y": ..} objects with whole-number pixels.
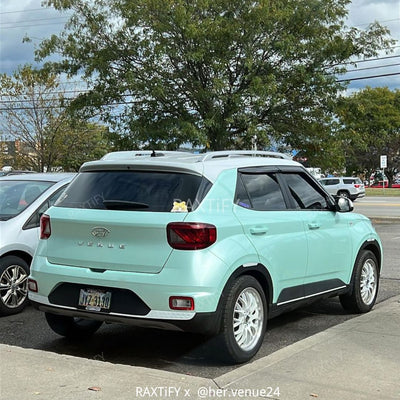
[{"x": 27, "y": 18}]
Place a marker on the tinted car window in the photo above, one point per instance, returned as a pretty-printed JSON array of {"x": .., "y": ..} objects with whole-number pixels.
[
  {"x": 34, "y": 220},
  {"x": 304, "y": 194},
  {"x": 134, "y": 190},
  {"x": 262, "y": 190},
  {"x": 330, "y": 182},
  {"x": 350, "y": 181}
]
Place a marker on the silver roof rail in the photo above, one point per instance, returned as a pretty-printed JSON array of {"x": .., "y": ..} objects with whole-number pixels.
[
  {"x": 129, "y": 154},
  {"x": 200, "y": 157},
  {"x": 243, "y": 153}
]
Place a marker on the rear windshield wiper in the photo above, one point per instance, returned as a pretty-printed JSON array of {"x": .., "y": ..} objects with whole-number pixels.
[{"x": 124, "y": 205}]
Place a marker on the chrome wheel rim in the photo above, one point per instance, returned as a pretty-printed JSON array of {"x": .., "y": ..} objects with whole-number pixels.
[
  {"x": 13, "y": 286},
  {"x": 248, "y": 319},
  {"x": 368, "y": 282}
]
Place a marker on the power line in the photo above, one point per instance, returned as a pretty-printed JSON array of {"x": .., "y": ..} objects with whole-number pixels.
[
  {"x": 30, "y": 26},
  {"x": 376, "y": 67},
  {"x": 21, "y": 11},
  {"x": 34, "y": 20},
  {"x": 379, "y": 22},
  {"x": 368, "y": 77},
  {"x": 133, "y": 102}
]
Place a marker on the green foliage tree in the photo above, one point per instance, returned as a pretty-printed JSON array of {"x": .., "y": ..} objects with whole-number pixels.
[
  {"x": 79, "y": 142},
  {"x": 33, "y": 112},
  {"x": 371, "y": 125},
  {"x": 211, "y": 72}
]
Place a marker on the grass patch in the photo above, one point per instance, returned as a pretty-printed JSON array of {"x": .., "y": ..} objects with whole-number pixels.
[{"x": 390, "y": 192}]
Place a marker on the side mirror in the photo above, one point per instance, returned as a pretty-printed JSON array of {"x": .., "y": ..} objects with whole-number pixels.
[{"x": 344, "y": 204}]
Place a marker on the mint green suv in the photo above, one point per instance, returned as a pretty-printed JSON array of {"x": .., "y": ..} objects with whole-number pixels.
[{"x": 216, "y": 243}]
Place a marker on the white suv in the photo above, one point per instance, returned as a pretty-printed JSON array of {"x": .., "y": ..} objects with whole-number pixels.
[{"x": 349, "y": 187}]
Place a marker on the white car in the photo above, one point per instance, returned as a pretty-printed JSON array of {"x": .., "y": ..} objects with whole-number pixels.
[
  {"x": 23, "y": 199},
  {"x": 344, "y": 186}
]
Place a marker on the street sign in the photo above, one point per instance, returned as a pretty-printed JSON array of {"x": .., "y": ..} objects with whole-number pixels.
[{"x": 383, "y": 161}]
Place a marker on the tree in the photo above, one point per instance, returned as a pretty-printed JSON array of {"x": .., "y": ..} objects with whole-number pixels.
[
  {"x": 211, "y": 72},
  {"x": 32, "y": 114},
  {"x": 33, "y": 111},
  {"x": 80, "y": 142},
  {"x": 371, "y": 125}
]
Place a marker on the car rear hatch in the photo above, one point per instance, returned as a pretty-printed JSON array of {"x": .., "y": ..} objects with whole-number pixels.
[{"x": 116, "y": 220}]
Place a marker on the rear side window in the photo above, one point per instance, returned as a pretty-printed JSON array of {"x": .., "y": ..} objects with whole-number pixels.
[
  {"x": 260, "y": 192},
  {"x": 134, "y": 190},
  {"x": 330, "y": 182},
  {"x": 351, "y": 181}
]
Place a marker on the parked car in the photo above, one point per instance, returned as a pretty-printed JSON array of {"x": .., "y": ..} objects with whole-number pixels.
[
  {"x": 23, "y": 199},
  {"x": 15, "y": 172},
  {"x": 214, "y": 243},
  {"x": 350, "y": 187}
]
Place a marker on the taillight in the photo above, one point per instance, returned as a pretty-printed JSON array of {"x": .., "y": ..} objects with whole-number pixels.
[
  {"x": 357, "y": 185},
  {"x": 191, "y": 235},
  {"x": 45, "y": 227}
]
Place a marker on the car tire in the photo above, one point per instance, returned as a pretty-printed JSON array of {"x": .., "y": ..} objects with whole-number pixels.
[
  {"x": 14, "y": 272},
  {"x": 344, "y": 193},
  {"x": 364, "y": 284},
  {"x": 72, "y": 327},
  {"x": 244, "y": 320}
]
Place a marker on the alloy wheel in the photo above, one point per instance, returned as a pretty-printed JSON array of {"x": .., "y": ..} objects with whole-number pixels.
[
  {"x": 248, "y": 319},
  {"x": 13, "y": 286},
  {"x": 368, "y": 281}
]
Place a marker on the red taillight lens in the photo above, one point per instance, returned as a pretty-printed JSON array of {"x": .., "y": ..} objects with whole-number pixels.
[
  {"x": 191, "y": 235},
  {"x": 357, "y": 185},
  {"x": 45, "y": 227}
]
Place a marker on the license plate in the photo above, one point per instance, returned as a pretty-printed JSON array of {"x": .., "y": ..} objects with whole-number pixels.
[{"x": 94, "y": 299}]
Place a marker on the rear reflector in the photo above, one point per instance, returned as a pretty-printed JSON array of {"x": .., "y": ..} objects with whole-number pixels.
[
  {"x": 191, "y": 235},
  {"x": 32, "y": 285},
  {"x": 45, "y": 227},
  {"x": 181, "y": 303}
]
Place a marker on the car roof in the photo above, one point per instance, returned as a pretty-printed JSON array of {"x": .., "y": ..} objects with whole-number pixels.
[
  {"x": 209, "y": 164},
  {"x": 45, "y": 177}
]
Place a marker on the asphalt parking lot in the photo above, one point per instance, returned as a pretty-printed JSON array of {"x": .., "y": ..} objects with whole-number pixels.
[{"x": 192, "y": 354}]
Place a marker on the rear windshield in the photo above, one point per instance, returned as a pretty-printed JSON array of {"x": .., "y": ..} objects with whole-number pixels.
[{"x": 135, "y": 191}]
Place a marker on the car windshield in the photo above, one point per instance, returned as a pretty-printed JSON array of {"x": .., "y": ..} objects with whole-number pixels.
[{"x": 17, "y": 195}]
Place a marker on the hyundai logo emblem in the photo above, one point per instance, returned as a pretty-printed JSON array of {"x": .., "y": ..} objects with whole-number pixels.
[{"x": 100, "y": 232}]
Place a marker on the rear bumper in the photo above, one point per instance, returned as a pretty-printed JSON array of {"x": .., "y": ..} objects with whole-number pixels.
[
  {"x": 357, "y": 195},
  {"x": 204, "y": 323}
]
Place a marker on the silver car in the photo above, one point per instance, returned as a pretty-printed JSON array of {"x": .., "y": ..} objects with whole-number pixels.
[
  {"x": 344, "y": 186},
  {"x": 23, "y": 199}
]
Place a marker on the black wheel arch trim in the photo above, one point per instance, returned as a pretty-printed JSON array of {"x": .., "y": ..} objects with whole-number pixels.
[
  {"x": 259, "y": 272},
  {"x": 373, "y": 246}
]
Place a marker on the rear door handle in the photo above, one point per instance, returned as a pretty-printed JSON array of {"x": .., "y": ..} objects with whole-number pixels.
[
  {"x": 313, "y": 225},
  {"x": 259, "y": 230}
]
